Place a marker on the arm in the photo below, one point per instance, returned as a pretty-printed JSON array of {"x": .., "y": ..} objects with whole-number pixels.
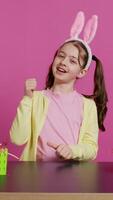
[
  {"x": 88, "y": 142},
  {"x": 21, "y": 127}
]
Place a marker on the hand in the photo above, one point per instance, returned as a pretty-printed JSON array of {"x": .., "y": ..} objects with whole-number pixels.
[
  {"x": 30, "y": 86},
  {"x": 62, "y": 150}
]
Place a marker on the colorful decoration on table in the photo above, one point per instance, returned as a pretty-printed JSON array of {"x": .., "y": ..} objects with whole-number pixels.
[{"x": 3, "y": 160}]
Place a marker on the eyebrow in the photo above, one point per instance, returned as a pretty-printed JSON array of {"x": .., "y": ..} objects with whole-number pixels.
[{"x": 69, "y": 56}]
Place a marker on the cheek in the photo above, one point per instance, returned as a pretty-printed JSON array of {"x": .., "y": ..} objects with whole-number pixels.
[
  {"x": 53, "y": 67},
  {"x": 54, "y": 63},
  {"x": 74, "y": 73},
  {"x": 75, "y": 70}
]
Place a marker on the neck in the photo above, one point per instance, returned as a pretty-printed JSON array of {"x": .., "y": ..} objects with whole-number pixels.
[{"x": 63, "y": 88}]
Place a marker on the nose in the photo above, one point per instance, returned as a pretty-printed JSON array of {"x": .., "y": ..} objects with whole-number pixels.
[{"x": 64, "y": 61}]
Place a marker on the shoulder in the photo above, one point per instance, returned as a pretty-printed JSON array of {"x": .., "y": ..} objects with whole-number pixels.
[
  {"x": 38, "y": 100},
  {"x": 90, "y": 114},
  {"x": 89, "y": 103},
  {"x": 39, "y": 95}
]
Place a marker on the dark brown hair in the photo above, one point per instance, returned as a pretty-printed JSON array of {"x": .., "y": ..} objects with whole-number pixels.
[{"x": 99, "y": 92}]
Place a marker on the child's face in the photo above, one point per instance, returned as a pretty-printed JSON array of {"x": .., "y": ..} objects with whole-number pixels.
[{"x": 66, "y": 66}]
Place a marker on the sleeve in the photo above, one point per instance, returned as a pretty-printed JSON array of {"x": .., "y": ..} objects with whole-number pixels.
[
  {"x": 87, "y": 146},
  {"x": 21, "y": 126}
]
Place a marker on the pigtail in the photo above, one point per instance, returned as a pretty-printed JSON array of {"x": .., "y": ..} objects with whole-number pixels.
[{"x": 99, "y": 94}]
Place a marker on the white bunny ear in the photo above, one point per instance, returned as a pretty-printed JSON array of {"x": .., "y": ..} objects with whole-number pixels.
[
  {"x": 77, "y": 25},
  {"x": 90, "y": 29}
]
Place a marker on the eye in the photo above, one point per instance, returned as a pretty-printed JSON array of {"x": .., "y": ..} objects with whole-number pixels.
[
  {"x": 61, "y": 55},
  {"x": 73, "y": 61}
]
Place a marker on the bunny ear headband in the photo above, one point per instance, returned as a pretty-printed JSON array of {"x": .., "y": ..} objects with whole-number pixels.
[{"x": 88, "y": 34}]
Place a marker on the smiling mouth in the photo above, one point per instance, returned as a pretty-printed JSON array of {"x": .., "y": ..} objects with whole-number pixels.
[{"x": 60, "y": 69}]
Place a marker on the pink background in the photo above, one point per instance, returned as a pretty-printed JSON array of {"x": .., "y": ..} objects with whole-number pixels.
[{"x": 30, "y": 33}]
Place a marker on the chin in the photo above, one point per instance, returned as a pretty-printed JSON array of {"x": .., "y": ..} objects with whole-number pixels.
[{"x": 59, "y": 80}]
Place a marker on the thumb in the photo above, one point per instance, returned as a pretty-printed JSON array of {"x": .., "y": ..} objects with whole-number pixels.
[{"x": 53, "y": 145}]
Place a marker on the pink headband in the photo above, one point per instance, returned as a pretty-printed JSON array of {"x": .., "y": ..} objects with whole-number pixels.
[{"x": 88, "y": 34}]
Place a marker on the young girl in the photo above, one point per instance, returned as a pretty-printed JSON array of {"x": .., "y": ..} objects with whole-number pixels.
[{"x": 59, "y": 123}]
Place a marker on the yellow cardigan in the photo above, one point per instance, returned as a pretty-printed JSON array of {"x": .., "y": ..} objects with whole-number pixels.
[{"x": 30, "y": 119}]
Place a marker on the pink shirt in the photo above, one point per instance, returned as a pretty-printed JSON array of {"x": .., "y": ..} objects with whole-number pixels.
[{"x": 62, "y": 123}]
